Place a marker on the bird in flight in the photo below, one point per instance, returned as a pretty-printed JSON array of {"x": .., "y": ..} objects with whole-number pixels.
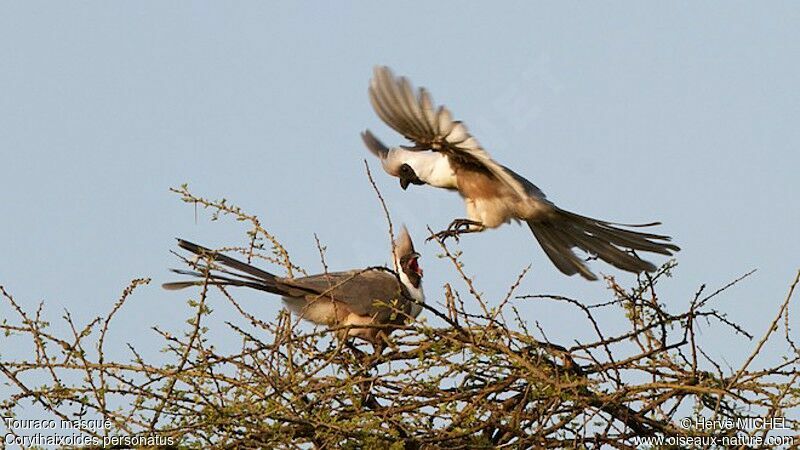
[
  {"x": 364, "y": 303},
  {"x": 445, "y": 155}
]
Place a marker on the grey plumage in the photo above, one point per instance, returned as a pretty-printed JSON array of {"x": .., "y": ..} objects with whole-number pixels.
[
  {"x": 370, "y": 296},
  {"x": 596, "y": 237},
  {"x": 374, "y": 145}
]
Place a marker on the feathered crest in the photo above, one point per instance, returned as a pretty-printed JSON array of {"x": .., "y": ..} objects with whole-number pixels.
[{"x": 402, "y": 244}]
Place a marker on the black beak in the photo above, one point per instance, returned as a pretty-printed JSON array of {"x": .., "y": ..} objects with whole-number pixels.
[{"x": 408, "y": 176}]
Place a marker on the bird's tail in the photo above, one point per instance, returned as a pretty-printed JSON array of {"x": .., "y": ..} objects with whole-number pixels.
[
  {"x": 243, "y": 274},
  {"x": 607, "y": 240}
]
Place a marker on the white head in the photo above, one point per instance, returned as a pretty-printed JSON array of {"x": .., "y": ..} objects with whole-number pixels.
[{"x": 396, "y": 161}]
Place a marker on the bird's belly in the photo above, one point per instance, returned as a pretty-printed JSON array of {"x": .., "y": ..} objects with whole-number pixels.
[
  {"x": 353, "y": 320},
  {"x": 495, "y": 211},
  {"x": 493, "y": 203},
  {"x": 321, "y": 310},
  {"x": 490, "y": 212}
]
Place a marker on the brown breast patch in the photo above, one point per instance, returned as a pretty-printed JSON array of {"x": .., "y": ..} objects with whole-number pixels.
[{"x": 478, "y": 184}]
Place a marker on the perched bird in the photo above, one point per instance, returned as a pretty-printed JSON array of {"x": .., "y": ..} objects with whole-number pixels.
[
  {"x": 370, "y": 296},
  {"x": 445, "y": 155}
]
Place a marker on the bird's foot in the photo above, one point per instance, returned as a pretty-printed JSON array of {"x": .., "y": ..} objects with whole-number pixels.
[
  {"x": 357, "y": 352},
  {"x": 443, "y": 235},
  {"x": 456, "y": 228},
  {"x": 463, "y": 225}
]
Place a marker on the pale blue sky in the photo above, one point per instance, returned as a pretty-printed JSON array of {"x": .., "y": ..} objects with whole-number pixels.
[{"x": 630, "y": 111}]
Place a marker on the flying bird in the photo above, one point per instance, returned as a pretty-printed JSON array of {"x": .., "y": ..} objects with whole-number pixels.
[
  {"x": 445, "y": 155},
  {"x": 354, "y": 298}
]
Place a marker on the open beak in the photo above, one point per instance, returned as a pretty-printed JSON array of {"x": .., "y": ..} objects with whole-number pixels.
[
  {"x": 404, "y": 182},
  {"x": 417, "y": 269}
]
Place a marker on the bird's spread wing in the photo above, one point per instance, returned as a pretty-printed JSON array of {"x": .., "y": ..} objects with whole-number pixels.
[
  {"x": 379, "y": 149},
  {"x": 375, "y": 146},
  {"x": 360, "y": 290},
  {"x": 431, "y": 127}
]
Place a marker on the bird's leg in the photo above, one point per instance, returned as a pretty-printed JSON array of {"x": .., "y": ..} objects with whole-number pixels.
[
  {"x": 366, "y": 363},
  {"x": 379, "y": 346},
  {"x": 463, "y": 226},
  {"x": 357, "y": 352},
  {"x": 458, "y": 227}
]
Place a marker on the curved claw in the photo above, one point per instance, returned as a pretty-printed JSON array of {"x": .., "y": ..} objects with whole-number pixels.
[
  {"x": 444, "y": 234},
  {"x": 456, "y": 228},
  {"x": 463, "y": 225}
]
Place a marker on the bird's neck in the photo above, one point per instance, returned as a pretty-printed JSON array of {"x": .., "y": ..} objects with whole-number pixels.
[
  {"x": 433, "y": 168},
  {"x": 415, "y": 293}
]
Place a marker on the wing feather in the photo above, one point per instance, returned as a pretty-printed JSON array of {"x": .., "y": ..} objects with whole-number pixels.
[
  {"x": 360, "y": 290},
  {"x": 429, "y": 127},
  {"x": 414, "y": 109},
  {"x": 375, "y": 145},
  {"x": 428, "y": 109}
]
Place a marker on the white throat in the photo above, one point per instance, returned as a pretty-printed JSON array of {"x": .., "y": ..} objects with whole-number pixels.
[
  {"x": 431, "y": 167},
  {"x": 414, "y": 292}
]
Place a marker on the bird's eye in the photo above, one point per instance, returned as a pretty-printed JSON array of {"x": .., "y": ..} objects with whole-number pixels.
[{"x": 406, "y": 169}]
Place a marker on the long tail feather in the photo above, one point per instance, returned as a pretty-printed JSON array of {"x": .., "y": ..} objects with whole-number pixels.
[
  {"x": 559, "y": 251},
  {"x": 604, "y": 239},
  {"x": 250, "y": 276},
  {"x": 226, "y": 260}
]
